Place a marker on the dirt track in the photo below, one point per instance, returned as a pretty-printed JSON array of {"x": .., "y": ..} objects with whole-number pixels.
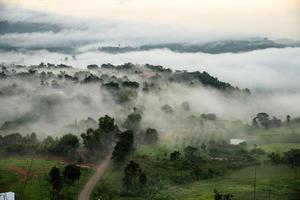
[
  {"x": 90, "y": 185},
  {"x": 23, "y": 174}
]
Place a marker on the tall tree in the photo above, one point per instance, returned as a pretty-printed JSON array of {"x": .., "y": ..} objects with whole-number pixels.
[
  {"x": 123, "y": 146},
  {"x": 56, "y": 183},
  {"x": 71, "y": 173}
]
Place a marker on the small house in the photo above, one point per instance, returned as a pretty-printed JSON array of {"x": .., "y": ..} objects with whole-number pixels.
[
  {"x": 236, "y": 141},
  {"x": 7, "y": 196}
]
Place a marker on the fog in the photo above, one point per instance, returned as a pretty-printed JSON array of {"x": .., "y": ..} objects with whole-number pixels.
[
  {"x": 49, "y": 109},
  {"x": 78, "y": 32},
  {"x": 268, "y": 70},
  {"x": 272, "y": 75}
]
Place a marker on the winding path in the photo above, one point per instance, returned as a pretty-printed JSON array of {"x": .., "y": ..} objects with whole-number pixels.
[{"x": 90, "y": 185}]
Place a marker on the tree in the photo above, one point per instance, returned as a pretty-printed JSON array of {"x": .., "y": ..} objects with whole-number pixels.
[
  {"x": 107, "y": 123},
  {"x": 56, "y": 182},
  {"x": 293, "y": 158},
  {"x": 218, "y": 196},
  {"x": 275, "y": 158},
  {"x": 33, "y": 138},
  {"x": 288, "y": 119},
  {"x": 143, "y": 179},
  {"x": 175, "y": 155},
  {"x": 263, "y": 119},
  {"x": 151, "y": 136},
  {"x": 185, "y": 106},
  {"x": 203, "y": 147},
  {"x": 123, "y": 146},
  {"x": 133, "y": 122},
  {"x": 133, "y": 176},
  {"x": 71, "y": 173},
  {"x": 92, "y": 66},
  {"x": 190, "y": 152},
  {"x": 167, "y": 109},
  {"x": 80, "y": 161},
  {"x": 50, "y": 145},
  {"x": 209, "y": 116},
  {"x": 67, "y": 143},
  {"x": 102, "y": 138}
]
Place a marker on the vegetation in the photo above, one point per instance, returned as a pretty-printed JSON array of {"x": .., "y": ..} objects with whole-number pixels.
[
  {"x": 161, "y": 145},
  {"x": 29, "y": 178}
]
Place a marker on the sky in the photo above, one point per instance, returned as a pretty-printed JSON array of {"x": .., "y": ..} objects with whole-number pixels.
[
  {"x": 272, "y": 18},
  {"x": 89, "y": 24},
  {"x": 97, "y": 23}
]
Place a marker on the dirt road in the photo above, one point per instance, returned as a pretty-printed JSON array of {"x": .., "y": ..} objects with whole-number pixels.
[{"x": 90, "y": 185}]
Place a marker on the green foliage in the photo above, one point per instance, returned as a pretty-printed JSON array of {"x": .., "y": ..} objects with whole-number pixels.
[
  {"x": 133, "y": 179},
  {"x": 133, "y": 121},
  {"x": 71, "y": 173},
  {"x": 190, "y": 153},
  {"x": 68, "y": 143},
  {"x": 150, "y": 137},
  {"x": 175, "y": 155},
  {"x": 123, "y": 147},
  {"x": 37, "y": 185},
  {"x": 15, "y": 143},
  {"x": 102, "y": 138},
  {"x": 55, "y": 180},
  {"x": 167, "y": 109}
]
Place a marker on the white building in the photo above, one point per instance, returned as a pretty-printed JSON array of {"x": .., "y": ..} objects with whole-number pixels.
[
  {"x": 236, "y": 141},
  {"x": 7, "y": 196}
]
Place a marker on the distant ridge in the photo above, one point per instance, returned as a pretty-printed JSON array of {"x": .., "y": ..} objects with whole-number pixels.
[{"x": 216, "y": 47}]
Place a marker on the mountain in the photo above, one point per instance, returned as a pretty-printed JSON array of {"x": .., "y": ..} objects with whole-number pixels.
[
  {"x": 27, "y": 27},
  {"x": 216, "y": 47}
]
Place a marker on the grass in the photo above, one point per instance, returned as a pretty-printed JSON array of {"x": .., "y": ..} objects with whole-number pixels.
[
  {"x": 279, "y": 147},
  {"x": 8, "y": 177},
  {"x": 36, "y": 185},
  {"x": 274, "y": 182}
]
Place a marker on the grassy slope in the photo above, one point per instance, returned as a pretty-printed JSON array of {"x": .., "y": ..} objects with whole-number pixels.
[
  {"x": 37, "y": 186},
  {"x": 276, "y": 181},
  {"x": 279, "y": 147}
]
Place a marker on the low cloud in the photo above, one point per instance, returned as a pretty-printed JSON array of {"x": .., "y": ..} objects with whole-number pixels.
[{"x": 268, "y": 70}]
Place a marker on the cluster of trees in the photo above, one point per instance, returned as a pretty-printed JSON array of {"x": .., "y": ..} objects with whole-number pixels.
[
  {"x": 134, "y": 178},
  {"x": 100, "y": 140},
  {"x": 262, "y": 120},
  {"x": 195, "y": 162},
  {"x": 57, "y": 179},
  {"x": 291, "y": 157},
  {"x": 219, "y": 196},
  {"x": 16, "y": 143},
  {"x": 133, "y": 123},
  {"x": 190, "y": 78},
  {"x": 119, "y": 83},
  {"x": 66, "y": 146},
  {"x": 124, "y": 146},
  {"x": 97, "y": 141},
  {"x": 190, "y": 164}
]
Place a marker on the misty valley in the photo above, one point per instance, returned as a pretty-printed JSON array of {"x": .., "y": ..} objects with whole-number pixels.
[{"x": 134, "y": 132}]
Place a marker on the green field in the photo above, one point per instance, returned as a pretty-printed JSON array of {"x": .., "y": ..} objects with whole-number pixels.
[
  {"x": 273, "y": 182},
  {"x": 276, "y": 182},
  {"x": 279, "y": 147},
  {"x": 36, "y": 185}
]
